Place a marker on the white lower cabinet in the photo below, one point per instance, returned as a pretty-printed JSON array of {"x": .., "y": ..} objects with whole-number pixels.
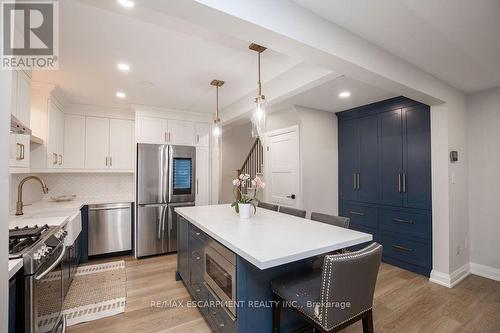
[
  {"x": 74, "y": 141},
  {"x": 202, "y": 176}
]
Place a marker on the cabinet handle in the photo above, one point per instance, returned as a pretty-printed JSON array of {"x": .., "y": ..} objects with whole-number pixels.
[
  {"x": 404, "y": 182},
  {"x": 403, "y": 221},
  {"x": 402, "y": 248},
  {"x": 357, "y": 180},
  {"x": 54, "y": 161},
  {"x": 195, "y": 255},
  {"x": 197, "y": 139},
  {"x": 356, "y": 213},
  {"x": 60, "y": 160},
  {"x": 111, "y": 161},
  {"x": 197, "y": 186},
  {"x": 21, "y": 151},
  {"x": 354, "y": 180},
  {"x": 169, "y": 136},
  {"x": 106, "y": 161},
  {"x": 399, "y": 182}
]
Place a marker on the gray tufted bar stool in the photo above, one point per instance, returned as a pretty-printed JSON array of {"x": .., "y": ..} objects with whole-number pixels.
[{"x": 335, "y": 297}]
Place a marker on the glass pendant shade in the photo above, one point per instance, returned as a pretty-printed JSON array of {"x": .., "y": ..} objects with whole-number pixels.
[
  {"x": 217, "y": 131},
  {"x": 259, "y": 117}
]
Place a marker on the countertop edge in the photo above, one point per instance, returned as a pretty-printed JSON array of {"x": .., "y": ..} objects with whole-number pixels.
[{"x": 280, "y": 261}]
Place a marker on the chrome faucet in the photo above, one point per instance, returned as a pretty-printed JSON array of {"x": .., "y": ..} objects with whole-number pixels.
[{"x": 19, "y": 204}]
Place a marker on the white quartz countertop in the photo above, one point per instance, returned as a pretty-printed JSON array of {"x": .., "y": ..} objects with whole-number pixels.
[
  {"x": 270, "y": 238},
  {"x": 58, "y": 213},
  {"x": 14, "y": 266}
]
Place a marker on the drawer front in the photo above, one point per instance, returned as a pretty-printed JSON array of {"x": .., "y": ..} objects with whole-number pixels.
[
  {"x": 218, "y": 317},
  {"x": 413, "y": 251},
  {"x": 361, "y": 214},
  {"x": 406, "y": 222},
  {"x": 196, "y": 233}
]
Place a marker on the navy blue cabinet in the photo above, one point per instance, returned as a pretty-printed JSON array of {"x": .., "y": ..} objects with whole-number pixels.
[
  {"x": 359, "y": 176},
  {"x": 385, "y": 178}
]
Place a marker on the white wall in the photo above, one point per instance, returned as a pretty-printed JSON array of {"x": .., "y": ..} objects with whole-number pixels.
[
  {"x": 5, "y": 107},
  {"x": 84, "y": 185},
  {"x": 483, "y": 139},
  {"x": 236, "y": 144},
  {"x": 319, "y": 155}
]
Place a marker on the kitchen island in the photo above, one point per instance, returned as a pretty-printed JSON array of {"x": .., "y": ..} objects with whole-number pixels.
[{"x": 227, "y": 263}]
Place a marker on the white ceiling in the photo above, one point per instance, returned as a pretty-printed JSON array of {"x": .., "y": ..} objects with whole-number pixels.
[
  {"x": 326, "y": 96},
  {"x": 457, "y": 41},
  {"x": 171, "y": 63}
]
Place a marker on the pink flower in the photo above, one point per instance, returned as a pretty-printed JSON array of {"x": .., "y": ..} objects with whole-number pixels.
[
  {"x": 236, "y": 182},
  {"x": 262, "y": 185}
]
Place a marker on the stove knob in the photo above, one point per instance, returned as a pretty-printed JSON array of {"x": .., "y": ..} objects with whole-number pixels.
[{"x": 65, "y": 233}]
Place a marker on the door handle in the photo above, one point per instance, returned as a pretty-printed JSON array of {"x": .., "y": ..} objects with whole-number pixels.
[
  {"x": 404, "y": 182},
  {"x": 291, "y": 196}
]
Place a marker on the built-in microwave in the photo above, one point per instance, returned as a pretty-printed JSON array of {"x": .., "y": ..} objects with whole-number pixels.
[{"x": 220, "y": 273}]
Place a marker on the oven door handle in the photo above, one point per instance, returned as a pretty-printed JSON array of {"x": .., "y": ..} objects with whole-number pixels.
[
  {"x": 47, "y": 271},
  {"x": 64, "y": 324}
]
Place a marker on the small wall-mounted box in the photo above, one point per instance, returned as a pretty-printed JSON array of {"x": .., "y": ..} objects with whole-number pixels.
[{"x": 453, "y": 156}]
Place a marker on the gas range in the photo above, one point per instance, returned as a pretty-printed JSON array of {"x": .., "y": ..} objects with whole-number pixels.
[{"x": 34, "y": 244}]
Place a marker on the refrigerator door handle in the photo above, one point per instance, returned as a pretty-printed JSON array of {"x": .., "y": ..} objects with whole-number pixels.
[
  {"x": 170, "y": 171},
  {"x": 160, "y": 221}
]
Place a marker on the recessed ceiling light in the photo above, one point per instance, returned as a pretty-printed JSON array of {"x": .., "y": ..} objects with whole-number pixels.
[
  {"x": 344, "y": 94},
  {"x": 123, "y": 67},
  {"x": 126, "y": 3},
  {"x": 120, "y": 94}
]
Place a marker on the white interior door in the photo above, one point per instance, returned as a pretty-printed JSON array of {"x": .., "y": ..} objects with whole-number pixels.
[
  {"x": 120, "y": 144},
  {"x": 283, "y": 167},
  {"x": 96, "y": 143}
]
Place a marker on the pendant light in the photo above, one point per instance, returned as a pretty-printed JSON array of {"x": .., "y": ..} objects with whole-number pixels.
[
  {"x": 259, "y": 114},
  {"x": 217, "y": 130}
]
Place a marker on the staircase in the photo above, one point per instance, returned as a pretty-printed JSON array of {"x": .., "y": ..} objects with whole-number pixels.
[{"x": 253, "y": 164}]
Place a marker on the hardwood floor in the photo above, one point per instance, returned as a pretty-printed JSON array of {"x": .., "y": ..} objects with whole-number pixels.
[{"x": 404, "y": 302}]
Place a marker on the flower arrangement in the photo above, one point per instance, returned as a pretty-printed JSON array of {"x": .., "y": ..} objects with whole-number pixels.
[{"x": 240, "y": 185}]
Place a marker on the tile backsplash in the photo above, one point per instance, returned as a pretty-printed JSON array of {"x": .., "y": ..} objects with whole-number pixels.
[{"x": 82, "y": 184}]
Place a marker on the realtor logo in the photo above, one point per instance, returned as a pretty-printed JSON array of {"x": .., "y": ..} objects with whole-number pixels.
[{"x": 30, "y": 35}]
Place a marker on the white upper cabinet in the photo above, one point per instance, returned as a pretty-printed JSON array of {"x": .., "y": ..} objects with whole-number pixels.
[
  {"x": 55, "y": 139},
  {"x": 202, "y": 134},
  {"x": 96, "y": 143},
  {"x": 19, "y": 157},
  {"x": 181, "y": 132},
  {"x": 121, "y": 141},
  {"x": 23, "y": 105},
  {"x": 202, "y": 185},
  {"x": 74, "y": 141},
  {"x": 109, "y": 144},
  {"x": 152, "y": 130}
]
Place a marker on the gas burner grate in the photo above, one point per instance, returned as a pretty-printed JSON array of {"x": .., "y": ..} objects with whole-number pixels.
[{"x": 25, "y": 232}]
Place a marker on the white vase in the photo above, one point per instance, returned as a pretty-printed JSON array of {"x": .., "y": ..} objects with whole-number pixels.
[{"x": 245, "y": 210}]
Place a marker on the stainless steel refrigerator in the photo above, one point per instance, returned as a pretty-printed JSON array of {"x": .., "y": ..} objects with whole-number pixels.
[{"x": 165, "y": 180}]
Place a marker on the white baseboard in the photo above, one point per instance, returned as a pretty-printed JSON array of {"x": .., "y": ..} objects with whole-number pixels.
[
  {"x": 485, "y": 271},
  {"x": 450, "y": 280}
]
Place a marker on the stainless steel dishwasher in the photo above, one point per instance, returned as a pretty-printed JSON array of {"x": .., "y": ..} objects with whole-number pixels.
[{"x": 110, "y": 228}]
